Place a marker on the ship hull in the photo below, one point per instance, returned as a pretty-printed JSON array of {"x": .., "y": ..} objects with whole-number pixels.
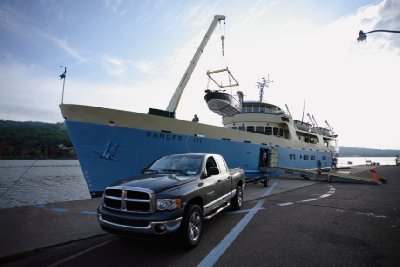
[{"x": 114, "y": 145}]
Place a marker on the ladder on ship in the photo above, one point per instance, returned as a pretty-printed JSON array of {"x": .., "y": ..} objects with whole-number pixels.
[{"x": 273, "y": 158}]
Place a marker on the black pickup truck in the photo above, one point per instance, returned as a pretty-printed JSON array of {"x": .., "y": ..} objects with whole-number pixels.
[{"x": 173, "y": 195}]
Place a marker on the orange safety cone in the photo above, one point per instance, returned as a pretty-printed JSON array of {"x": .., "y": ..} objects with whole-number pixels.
[{"x": 374, "y": 176}]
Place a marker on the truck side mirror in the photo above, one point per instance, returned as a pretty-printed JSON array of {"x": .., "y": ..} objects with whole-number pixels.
[{"x": 213, "y": 171}]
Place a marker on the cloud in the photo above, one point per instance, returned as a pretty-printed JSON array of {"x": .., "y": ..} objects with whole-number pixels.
[
  {"x": 13, "y": 21},
  {"x": 116, "y": 66},
  {"x": 145, "y": 66},
  {"x": 61, "y": 43},
  {"x": 28, "y": 93},
  {"x": 115, "y": 5},
  {"x": 54, "y": 8},
  {"x": 120, "y": 67}
]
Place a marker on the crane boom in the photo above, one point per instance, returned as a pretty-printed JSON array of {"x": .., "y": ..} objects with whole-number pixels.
[{"x": 173, "y": 103}]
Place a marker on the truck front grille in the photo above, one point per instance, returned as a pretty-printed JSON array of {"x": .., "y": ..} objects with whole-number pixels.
[{"x": 129, "y": 199}]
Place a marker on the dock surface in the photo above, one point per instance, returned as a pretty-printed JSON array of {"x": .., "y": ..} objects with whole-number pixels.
[{"x": 24, "y": 230}]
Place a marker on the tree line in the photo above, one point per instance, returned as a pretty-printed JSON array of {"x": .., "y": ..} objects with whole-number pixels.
[
  {"x": 40, "y": 140},
  {"x": 34, "y": 140}
]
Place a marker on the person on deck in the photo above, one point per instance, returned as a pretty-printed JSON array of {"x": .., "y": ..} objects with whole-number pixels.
[{"x": 334, "y": 163}]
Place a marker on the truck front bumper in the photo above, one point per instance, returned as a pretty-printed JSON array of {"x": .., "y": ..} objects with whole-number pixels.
[{"x": 129, "y": 225}]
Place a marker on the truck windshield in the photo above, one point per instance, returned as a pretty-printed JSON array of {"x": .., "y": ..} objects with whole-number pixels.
[{"x": 179, "y": 164}]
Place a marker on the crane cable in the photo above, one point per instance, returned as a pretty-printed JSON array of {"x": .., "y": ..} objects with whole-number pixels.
[
  {"x": 222, "y": 38},
  {"x": 222, "y": 32}
]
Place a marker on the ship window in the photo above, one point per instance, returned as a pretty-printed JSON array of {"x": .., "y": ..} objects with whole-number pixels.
[
  {"x": 276, "y": 130},
  {"x": 260, "y": 129},
  {"x": 292, "y": 157},
  {"x": 300, "y": 156},
  {"x": 305, "y": 157},
  {"x": 312, "y": 157},
  {"x": 280, "y": 131},
  {"x": 323, "y": 157},
  {"x": 262, "y": 109},
  {"x": 268, "y": 130},
  {"x": 241, "y": 128},
  {"x": 250, "y": 129},
  {"x": 234, "y": 127}
]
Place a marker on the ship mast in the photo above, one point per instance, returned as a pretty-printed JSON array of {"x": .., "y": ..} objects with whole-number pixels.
[
  {"x": 261, "y": 86},
  {"x": 173, "y": 103}
]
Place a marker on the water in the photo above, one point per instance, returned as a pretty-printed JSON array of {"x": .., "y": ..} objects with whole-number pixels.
[
  {"x": 352, "y": 161},
  {"x": 35, "y": 182}
]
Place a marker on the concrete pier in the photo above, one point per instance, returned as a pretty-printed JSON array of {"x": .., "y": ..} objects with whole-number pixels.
[{"x": 24, "y": 230}]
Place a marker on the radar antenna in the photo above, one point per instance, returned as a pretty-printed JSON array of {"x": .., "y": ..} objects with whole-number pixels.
[{"x": 262, "y": 85}]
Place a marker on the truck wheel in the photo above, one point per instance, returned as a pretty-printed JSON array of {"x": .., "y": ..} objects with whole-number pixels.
[
  {"x": 237, "y": 200},
  {"x": 191, "y": 227}
]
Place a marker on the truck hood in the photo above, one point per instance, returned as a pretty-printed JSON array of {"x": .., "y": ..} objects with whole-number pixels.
[{"x": 157, "y": 182}]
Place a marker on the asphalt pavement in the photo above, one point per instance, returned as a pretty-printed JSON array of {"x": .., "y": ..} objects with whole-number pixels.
[{"x": 24, "y": 230}]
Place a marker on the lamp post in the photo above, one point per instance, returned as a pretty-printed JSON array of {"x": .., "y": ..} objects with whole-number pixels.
[{"x": 362, "y": 36}]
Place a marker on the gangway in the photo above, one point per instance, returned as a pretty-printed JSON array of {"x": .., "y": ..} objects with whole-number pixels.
[{"x": 328, "y": 176}]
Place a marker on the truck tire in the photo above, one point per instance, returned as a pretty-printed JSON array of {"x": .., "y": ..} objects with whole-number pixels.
[
  {"x": 237, "y": 200},
  {"x": 191, "y": 227}
]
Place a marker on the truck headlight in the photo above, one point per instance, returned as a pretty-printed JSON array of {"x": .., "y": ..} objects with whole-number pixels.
[{"x": 169, "y": 204}]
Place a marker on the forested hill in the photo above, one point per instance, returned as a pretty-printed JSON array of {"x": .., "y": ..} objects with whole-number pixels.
[
  {"x": 34, "y": 140},
  {"x": 39, "y": 140}
]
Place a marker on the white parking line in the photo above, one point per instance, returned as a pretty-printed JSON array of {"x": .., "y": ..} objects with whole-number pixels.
[
  {"x": 241, "y": 211},
  {"x": 285, "y": 204},
  {"x": 307, "y": 200},
  {"x": 220, "y": 249},
  {"x": 330, "y": 192}
]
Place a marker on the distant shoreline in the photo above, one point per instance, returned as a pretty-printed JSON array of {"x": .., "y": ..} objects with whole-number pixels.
[{"x": 39, "y": 140}]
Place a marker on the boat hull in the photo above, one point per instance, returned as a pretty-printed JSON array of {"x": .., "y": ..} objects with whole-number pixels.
[
  {"x": 114, "y": 145},
  {"x": 222, "y": 103}
]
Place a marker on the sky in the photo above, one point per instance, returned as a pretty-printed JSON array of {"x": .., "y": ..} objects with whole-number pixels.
[{"x": 131, "y": 55}]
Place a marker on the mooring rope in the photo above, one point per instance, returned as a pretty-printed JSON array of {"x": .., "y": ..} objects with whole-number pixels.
[{"x": 18, "y": 179}]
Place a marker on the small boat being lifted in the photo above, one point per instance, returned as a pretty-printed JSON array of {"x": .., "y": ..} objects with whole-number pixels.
[
  {"x": 218, "y": 101},
  {"x": 222, "y": 103}
]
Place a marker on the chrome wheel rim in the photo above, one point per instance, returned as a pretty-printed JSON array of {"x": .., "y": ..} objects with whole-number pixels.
[
  {"x": 240, "y": 196},
  {"x": 194, "y": 226}
]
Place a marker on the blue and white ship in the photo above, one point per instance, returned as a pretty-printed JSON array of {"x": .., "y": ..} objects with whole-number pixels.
[{"x": 257, "y": 136}]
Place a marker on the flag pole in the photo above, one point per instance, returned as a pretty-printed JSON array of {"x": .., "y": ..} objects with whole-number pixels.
[{"x": 63, "y": 76}]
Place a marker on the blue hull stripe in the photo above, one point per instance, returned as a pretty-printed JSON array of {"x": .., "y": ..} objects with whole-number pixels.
[{"x": 108, "y": 154}]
